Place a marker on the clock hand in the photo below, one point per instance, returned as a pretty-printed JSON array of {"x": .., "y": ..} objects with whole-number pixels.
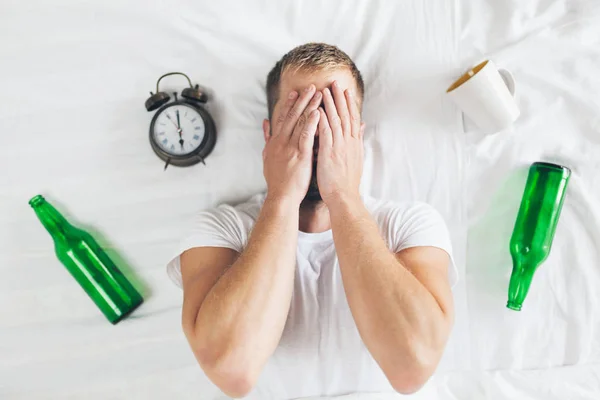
[
  {"x": 168, "y": 116},
  {"x": 180, "y": 131}
]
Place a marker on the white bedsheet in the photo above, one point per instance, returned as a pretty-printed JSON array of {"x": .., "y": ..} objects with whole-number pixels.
[{"x": 74, "y": 76}]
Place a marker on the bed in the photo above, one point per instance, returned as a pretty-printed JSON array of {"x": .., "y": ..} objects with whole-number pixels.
[{"x": 74, "y": 77}]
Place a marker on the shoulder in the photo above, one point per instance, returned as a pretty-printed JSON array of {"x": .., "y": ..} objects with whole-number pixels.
[
  {"x": 404, "y": 225},
  {"x": 243, "y": 213},
  {"x": 386, "y": 211},
  {"x": 251, "y": 207},
  {"x": 224, "y": 226},
  {"x": 407, "y": 224},
  {"x": 231, "y": 223}
]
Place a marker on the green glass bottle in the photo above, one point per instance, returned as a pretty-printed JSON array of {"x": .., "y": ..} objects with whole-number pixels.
[
  {"x": 535, "y": 226},
  {"x": 88, "y": 264}
]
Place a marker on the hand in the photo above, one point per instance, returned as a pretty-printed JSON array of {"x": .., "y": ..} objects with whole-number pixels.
[
  {"x": 288, "y": 152},
  {"x": 340, "y": 159}
]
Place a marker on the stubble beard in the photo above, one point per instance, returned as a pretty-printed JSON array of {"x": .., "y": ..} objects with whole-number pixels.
[{"x": 313, "y": 195}]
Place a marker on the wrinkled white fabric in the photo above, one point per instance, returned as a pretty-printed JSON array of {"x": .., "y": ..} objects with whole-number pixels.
[{"x": 74, "y": 77}]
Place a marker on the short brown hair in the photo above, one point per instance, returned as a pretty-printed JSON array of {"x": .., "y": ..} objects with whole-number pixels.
[{"x": 310, "y": 57}]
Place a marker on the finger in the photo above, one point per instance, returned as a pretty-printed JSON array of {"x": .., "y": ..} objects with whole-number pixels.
[
  {"x": 335, "y": 124},
  {"x": 307, "y": 135},
  {"x": 325, "y": 135},
  {"x": 342, "y": 107},
  {"x": 312, "y": 106},
  {"x": 362, "y": 131},
  {"x": 289, "y": 103},
  {"x": 354, "y": 113},
  {"x": 297, "y": 109},
  {"x": 316, "y": 101}
]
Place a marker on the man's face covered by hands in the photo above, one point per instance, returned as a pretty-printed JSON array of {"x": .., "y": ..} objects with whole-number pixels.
[{"x": 299, "y": 81}]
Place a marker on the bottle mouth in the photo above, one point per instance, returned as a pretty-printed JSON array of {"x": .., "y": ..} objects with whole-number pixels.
[
  {"x": 37, "y": 200},
  {"x": 514, "y": 306},
  {"x": 556, "y": 167}
]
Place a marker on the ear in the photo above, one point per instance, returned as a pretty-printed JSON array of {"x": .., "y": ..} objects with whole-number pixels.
[{"x": 266, "y": 130}]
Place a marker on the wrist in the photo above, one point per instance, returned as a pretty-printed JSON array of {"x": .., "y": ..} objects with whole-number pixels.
[
  {"x": 281, "y": 205},
  {"x": 341, "y": 203},
  {"x": 342, "y": 199}
]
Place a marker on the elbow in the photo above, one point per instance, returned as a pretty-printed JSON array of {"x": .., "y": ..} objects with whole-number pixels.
[
  {"x": 223, "y": 366},
  {"x": 233, "y": 385},
  {"x": 409, "y": 384},
  {"x": 411, "y": 380},
  {"x": 238, "y": 389},
  {"x": 235, "y": 379},
  {"x": 408, "y": 377},
  {"x": 224, "y": 363},
  {"x": 411, "y": 371}
]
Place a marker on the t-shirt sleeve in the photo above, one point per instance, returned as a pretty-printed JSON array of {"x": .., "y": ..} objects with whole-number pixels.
[
  {"x": 220, "y": 227},
  {"x": 420, "y": 225}
]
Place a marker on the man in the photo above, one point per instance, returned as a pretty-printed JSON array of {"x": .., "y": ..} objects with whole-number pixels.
[{"x": 312, "y": 289}]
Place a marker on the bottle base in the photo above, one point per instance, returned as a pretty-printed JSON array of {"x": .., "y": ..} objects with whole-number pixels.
[
  {"x": 514, "y": 306},
  {"x": 126, "y": 314}
]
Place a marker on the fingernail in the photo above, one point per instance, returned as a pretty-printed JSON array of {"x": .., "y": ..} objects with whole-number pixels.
[
  {"x": 334, "y": 83},
  {"x": 293, "y": 94},
  {"x": 318, "y": 95},
  {"x": 315, "y": 113}
]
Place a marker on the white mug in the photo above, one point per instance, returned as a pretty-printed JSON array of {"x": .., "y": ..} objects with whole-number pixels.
[{"x": 486, "y": 95}]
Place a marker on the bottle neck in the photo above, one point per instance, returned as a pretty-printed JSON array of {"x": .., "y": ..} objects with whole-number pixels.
[{"x": 52, "y": 220}]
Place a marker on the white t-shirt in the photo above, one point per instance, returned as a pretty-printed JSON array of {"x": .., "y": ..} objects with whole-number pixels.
[{"x": 320, "y": 352}]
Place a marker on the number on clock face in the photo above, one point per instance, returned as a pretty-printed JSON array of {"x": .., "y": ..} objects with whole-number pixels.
[{"x": 179, "y": 130}]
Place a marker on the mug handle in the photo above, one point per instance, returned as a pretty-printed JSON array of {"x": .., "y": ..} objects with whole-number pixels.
[{"x": 508, "y": 79}]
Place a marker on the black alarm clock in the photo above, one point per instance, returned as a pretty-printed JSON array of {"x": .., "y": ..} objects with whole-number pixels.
[{"x": 182, "y": 132}]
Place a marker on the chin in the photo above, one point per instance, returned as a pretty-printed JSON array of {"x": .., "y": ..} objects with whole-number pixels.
[{"x": 313, "y": 195}]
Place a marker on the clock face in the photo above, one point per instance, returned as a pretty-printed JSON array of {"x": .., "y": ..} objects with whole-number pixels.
[{"x": 178, "y": 130}]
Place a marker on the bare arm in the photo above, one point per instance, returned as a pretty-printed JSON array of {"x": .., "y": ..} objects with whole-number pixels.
[
  {"x": 402, "y": 304},
  {"x": 234, "y": 311},
  {"x": 237, "y": 325}
]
